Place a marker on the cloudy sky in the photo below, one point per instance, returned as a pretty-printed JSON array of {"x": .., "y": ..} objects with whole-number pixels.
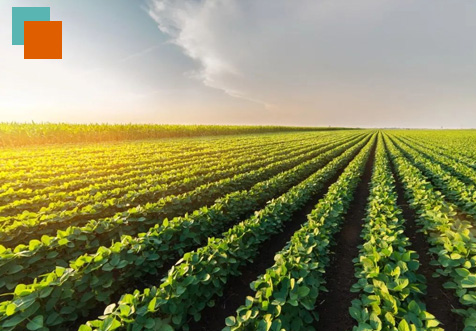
[{"x": 371, "y": 63}]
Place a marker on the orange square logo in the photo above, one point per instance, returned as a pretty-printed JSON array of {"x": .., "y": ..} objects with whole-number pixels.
[{"x": 43, "y": 40}]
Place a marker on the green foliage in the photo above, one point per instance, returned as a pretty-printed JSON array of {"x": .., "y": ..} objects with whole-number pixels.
[
  {"x": 20, "y": 134},
  {"x": 200, "y": 275},
  {"x": 454, "y": 179},
  {"x": 391, "y": 290},
  {"x": 175, "y": 179},
  {"x": 287, "y": 293},
  {"x": 104, "y": 272},
  {"x": 40, "y": 257},
  {"x": 452, "y": 239},
  {"x": 82, "y": 224}
]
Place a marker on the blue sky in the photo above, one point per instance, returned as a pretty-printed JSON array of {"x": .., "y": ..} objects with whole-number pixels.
[{"x": 327, "y": 62}]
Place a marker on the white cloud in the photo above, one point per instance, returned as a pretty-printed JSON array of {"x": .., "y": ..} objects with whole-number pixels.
[
  {"x": 191, "y": 25},
  {"x": 326, "y": 61}
]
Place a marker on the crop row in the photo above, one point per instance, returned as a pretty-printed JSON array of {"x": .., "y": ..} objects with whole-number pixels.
[
  {"x": 463, "y": 171},
  {"x": 451, "y": 238},
  {"x": 67, "y": 191},
  {"x": 390, "y": 288},
  {"x": 102, "y": 155},
  {"x": 64, "y": 287},
  {"x": 170, "y": 234},
  {"x": 115, "y": 170},
  {"x": 175, "y": 204},
  {"x": 20, "y": 134},
  {"x": 202, "y": 274},
  {"x": 107, "y": 203},
  {"x": 287, "y": 293},
  {"x": 463, "y": 195},
  {"x": 42, "y": 256},
  {"x": 69, "y": 176},
  {"x": 464, "y": 166},
  {"x": 461, "y": 152},
  {"x": 139, "y": 176}
]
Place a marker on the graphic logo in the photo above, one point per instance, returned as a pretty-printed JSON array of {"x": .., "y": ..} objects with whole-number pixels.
[{"x": 42, "y": 38}]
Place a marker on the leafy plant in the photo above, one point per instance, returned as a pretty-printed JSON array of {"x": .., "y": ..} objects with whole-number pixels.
[
  {"x": 90, "y": 279},
  {"x": 452, "y": 240},
  {"x": 200, "y": 275},
  {"x": 391, "y": 290},
  {"x": 286, "y": 294}
]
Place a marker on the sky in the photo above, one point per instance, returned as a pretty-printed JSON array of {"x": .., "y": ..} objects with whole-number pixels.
[{"x": 355, "y": 63}]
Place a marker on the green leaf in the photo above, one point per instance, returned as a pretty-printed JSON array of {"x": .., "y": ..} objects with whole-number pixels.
[
  {"x": 60, "y": 271},
  {"x": 413, "y": 306},
  {"x": 85, "y": 328},
  {"x": 109, "y": 309},
  {"x": 11, "y": 309},
  {"x": 177, "y": 319},
  {"x": 355, "y": 313},
  {"x": 110, "y": 323},
  {"x": 151, "y": 306},
  {"x": 375, "y": 322},
  {"x": 149, "y": 323},
  {"x": 230, "y": 321},
  {"x": 14, "y": 321},
  {"x": 46, "y": 292},
  {"x": 36, "y": 323},
  {"x": 124, "y": 309},
  {"x": 303, "y": 291},
  {"x": 14, "y": 269},
  {"x": 401, "y": 284},
  {"x": 54, "y": 319},
  {"x": 165, "y": 327},
  {"x": 390, "y": 319},
  {"x": 469, "y": 298},
  {"x": 469, "y": 282},
  {"x": 432, "y": 323},
  {"x": 463, "y": 272},
  {"x": 403, "y": 326}
]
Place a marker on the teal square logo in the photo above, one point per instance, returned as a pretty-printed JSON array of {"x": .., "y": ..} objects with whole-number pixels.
[{"x": 22, "y": 14}]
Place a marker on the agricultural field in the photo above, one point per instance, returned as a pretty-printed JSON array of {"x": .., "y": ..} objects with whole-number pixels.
[
  {"x": 292, "y": 230},
  {"x": 24, "y": 134}
]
